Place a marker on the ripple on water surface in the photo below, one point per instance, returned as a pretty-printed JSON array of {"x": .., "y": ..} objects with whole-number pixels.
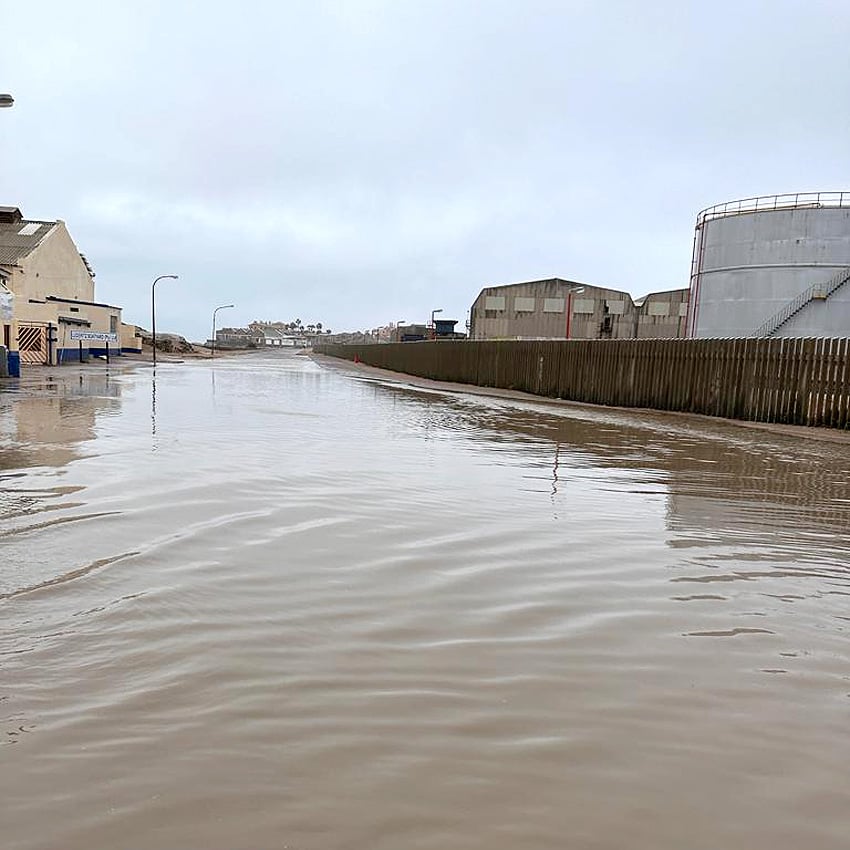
[{"x": 272, "y": 604}]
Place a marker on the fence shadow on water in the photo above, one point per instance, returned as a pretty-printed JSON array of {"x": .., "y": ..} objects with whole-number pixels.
[{"x": 785, "y": 380}]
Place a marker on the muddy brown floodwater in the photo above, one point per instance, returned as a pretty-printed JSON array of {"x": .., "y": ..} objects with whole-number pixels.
[{"x": 280, "y": 605}]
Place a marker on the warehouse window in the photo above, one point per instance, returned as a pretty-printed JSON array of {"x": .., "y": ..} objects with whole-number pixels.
[
  {"x": 659, "y": 308},
  {"x": 494, "y": 302},
  {"x": 553, "y": 305},
  {"x": 524, "y": 305},
  {"x": 584, "y": 305}
]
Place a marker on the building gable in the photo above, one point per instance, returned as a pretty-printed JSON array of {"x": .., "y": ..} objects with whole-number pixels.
[{"x": 54, "y": 267}]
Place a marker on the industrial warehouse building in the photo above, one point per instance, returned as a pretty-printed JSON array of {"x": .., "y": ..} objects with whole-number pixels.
[
  {"x": 47, "y": 293},
  {"x": 777, "y": 265},
  {"x": 565, "y": 309}
]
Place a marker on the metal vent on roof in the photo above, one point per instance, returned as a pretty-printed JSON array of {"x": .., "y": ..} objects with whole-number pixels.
[{"x": 29, "y": 229}]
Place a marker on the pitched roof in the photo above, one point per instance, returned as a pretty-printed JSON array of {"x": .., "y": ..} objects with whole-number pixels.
[
  {"x": 19, "y": 236},
  {"x": 274, "y": 333},
  {"x": 529, "y": 282}
]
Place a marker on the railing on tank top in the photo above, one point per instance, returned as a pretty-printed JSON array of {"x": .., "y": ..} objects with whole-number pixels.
[{"x": 768, "y": 203}]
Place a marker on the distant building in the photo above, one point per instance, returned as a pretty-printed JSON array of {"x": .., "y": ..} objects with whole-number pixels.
[
  {"x": 238, "y": 338},
  {"x": 350, "y": 338},
  {"x": 564, "y": 309},
  {"x": 661, "y": 315},
  {"x": 276, "y": 338},
  {"x": 445, "y": 329},
  {"x": 47, "y": 293},
  {"x": 411, "y": 333},
  {"x": 282, "y": 334}
]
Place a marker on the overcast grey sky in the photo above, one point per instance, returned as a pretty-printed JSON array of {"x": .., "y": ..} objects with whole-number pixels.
[{"x": 362, "y": 162}]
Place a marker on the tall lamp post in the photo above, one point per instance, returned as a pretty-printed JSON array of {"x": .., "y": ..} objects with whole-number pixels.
[
  {"x": 223, "y": 307},
  {"x": 433, "y": 326},
  {"x": 577, "y": 290},
  {"x": 153, "y": 309},
  {"x": 6, "y": 100}
]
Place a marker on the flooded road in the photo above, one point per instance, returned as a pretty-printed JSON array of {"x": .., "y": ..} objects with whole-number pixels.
[{"x": 276, "y": 605}]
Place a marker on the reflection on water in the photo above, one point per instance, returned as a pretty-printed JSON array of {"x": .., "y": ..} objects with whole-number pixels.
[
  {"x": 45, "y": 418},
  {"x": 310, "y": 609}
]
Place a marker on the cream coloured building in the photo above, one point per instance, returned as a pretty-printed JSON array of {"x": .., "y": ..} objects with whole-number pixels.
[{"x": 47, "y": 293}]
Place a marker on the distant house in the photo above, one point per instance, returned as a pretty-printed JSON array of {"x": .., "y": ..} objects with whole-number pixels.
[
  {"x": 238, "y": 338},
  {"x": 275, "y": 337},
  {"x": 47, "y": 293},
  {"x": 261, "y": 335}
]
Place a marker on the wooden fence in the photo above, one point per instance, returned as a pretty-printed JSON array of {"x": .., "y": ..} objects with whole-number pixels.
[{"x": 796, "y": 381}]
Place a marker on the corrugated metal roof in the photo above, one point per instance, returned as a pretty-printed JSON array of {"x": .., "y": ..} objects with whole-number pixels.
[{"x": 14, "y": 245}]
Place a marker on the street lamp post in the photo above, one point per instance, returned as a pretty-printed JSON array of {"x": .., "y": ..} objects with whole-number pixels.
[
  {"x": 577, "y": 290},
  {"x": 6, "y": 100},
  {"x": 153, "y": 309},
  {"x": 223, "y": 307},
  {"x": 433, "y": 326}
]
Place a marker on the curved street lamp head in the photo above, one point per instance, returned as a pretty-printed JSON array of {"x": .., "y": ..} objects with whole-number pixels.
[
  {"x": 6, "y": 100},
  {"x": 433, "y": 326},
  {"x": 215, "y": 312},
  {"x": 153, "y": 309}
]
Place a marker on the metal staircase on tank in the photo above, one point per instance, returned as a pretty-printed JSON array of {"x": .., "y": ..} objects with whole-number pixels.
[{"x": 816, "y": 292}]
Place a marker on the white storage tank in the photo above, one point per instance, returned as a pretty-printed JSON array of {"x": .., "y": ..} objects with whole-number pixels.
[{"x": 777, "y": 265}]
